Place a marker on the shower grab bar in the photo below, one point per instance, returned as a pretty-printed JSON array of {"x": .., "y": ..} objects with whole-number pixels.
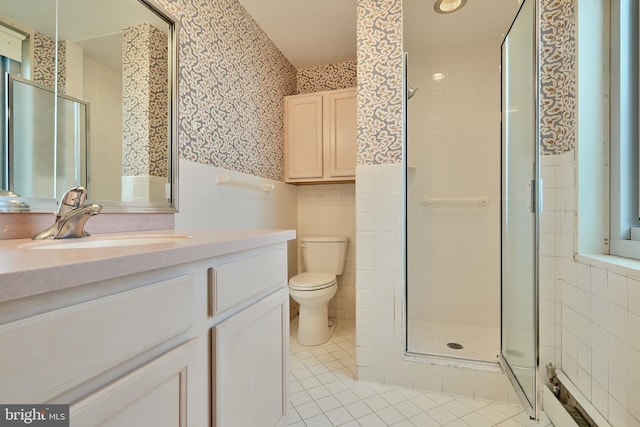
[
  {"x": 225, "y": 179},
  {"x": 427, "y": 200}
]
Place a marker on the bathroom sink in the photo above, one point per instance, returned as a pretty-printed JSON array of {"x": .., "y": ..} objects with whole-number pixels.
[{"x": 107, "y": 242}]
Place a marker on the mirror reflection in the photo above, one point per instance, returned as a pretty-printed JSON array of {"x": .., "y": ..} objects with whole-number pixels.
[{"x": 112, "y": 76}]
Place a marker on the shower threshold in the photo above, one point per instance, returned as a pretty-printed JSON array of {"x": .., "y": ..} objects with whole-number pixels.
[{"x": 455, "y": 362}]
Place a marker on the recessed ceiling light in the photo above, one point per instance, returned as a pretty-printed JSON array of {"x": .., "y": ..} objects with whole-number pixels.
[{"x": 448, "y": 6}]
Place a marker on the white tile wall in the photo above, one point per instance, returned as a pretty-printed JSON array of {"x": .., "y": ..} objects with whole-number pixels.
[
  {"x": 598, "y": 315},
  {"x": 453, "y": 151},
  {"x": 330, "y": 210},
  {"x": 380, "y": 297}
]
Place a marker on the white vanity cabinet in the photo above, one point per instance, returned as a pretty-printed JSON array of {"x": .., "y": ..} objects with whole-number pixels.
[
  {"x": 156, "y": 394},
  {"x": 250, "y": 348},
  {"x": 125, "y": 358},
  {"x": 200, "y": 343},
  {"x": 250, "y": 377}
]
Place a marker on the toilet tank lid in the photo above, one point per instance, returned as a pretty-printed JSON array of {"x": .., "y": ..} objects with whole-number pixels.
[{"x": 324, "y": 239}]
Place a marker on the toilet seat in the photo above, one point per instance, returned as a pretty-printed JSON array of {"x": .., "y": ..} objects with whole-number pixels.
[{"x": 312, "y": 281}]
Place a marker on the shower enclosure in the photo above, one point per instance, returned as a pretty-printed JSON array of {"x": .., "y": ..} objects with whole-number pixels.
[
  {"x": 521, "y": 205},
  {"x": 470, "y": 199}
]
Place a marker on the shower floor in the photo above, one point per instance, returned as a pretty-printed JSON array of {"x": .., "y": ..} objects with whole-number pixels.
[{"x": 478, "y": 342}]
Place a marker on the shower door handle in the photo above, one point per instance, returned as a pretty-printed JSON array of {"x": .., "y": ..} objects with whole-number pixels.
[
  {"x": 535, "y": 203},
  {"x": 532, "y": 196}
]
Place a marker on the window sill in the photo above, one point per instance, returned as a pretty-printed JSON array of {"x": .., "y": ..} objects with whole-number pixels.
[{"x": 616, "y": 264}]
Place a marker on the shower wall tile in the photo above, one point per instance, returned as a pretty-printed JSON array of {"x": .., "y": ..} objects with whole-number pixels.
[
  {"x": 329, "y": 209},
  {"x": 634, "y": 295},
  {"x": 380, "y": 297},
  {"x": 462, "y": 159}
]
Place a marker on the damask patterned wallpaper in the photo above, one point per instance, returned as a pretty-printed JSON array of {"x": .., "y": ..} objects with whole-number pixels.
[
  {"x": 328, "y": 77},
  {"x": 144, "y": 101},
  {"x": 233, "y": 79},
  {"x": 44, "y": 62},
  {"x": 380, "y": 79},
  {"x": 558, "y": 107},
  {"x": 232, "y": 83}
]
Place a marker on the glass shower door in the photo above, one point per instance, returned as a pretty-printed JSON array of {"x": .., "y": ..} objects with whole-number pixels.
[{"x": 520, "y": 175}]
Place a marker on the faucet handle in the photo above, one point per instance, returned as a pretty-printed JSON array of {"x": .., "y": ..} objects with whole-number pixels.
[{"x": 72, "y": 199}]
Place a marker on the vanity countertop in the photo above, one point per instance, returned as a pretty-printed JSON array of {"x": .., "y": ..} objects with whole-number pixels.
[{"x": 25, "y": 271}]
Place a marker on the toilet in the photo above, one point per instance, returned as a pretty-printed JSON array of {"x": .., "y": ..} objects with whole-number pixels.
[{"x": 324, "y": 259}]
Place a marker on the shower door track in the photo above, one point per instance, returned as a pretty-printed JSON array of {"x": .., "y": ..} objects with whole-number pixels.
[
  {"x": 519, "y": 390},
  {"x": 456, "y": 362}
]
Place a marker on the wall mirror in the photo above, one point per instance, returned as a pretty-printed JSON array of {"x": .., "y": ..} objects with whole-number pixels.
[{"x": 89, "y": 100}]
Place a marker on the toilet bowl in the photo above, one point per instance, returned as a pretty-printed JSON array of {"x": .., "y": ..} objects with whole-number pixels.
[
  {"x": 313, "y": 291},
  {"x": 324, "y": 259}
]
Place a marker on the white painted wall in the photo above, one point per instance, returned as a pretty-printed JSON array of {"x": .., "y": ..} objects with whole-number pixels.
[
  {"x": 205, "y": 205},
  {"x": 103, "y": 91}
]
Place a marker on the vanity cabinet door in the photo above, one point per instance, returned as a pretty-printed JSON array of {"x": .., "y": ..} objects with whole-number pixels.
[
  {"x": 250, "y": 369},
  {"x": 156, "y": 394}
]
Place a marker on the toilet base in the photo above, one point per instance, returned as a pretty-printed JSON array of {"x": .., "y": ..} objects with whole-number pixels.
[
  {"x": 314, "y": 327},
  {"x": 313, "y": 324}
]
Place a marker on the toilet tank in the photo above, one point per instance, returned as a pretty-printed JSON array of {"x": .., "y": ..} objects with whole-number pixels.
[{"x": 324, "y": 254}]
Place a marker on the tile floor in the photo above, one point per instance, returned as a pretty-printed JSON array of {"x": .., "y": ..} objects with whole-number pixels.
[{"x": 323, "y": 393}]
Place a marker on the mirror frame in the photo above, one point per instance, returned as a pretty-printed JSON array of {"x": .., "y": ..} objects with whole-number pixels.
[{"x": 46, "y": 205}]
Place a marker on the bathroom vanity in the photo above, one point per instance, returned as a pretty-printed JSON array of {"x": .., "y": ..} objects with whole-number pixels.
[{"x": 166, "y": 330}]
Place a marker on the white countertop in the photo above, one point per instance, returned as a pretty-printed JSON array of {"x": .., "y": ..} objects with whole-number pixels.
[{"x": 25, "y": 271}]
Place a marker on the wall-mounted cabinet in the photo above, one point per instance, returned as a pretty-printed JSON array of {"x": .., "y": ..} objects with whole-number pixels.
[{"x": 320, "y": 136}]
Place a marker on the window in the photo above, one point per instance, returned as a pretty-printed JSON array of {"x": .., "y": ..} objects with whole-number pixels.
[{"x": 625, "y": 185}]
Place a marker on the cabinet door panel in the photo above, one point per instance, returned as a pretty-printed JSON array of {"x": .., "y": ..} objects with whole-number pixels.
[
  {"x": 343, "y": 134},
  {"x": 152, "y": 395},
  {"x": 250, "y": 355},
  {"x": 303, "y": 124}
]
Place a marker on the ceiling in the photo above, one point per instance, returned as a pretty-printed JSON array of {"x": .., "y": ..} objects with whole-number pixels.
[
  {"x": 319, "y": 32},
  {"x": 477, "y": 21},
  {"x": 308, "y": 32}
]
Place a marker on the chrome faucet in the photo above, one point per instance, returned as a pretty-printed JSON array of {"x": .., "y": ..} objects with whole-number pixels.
[{"x": 72, "y": 214}]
